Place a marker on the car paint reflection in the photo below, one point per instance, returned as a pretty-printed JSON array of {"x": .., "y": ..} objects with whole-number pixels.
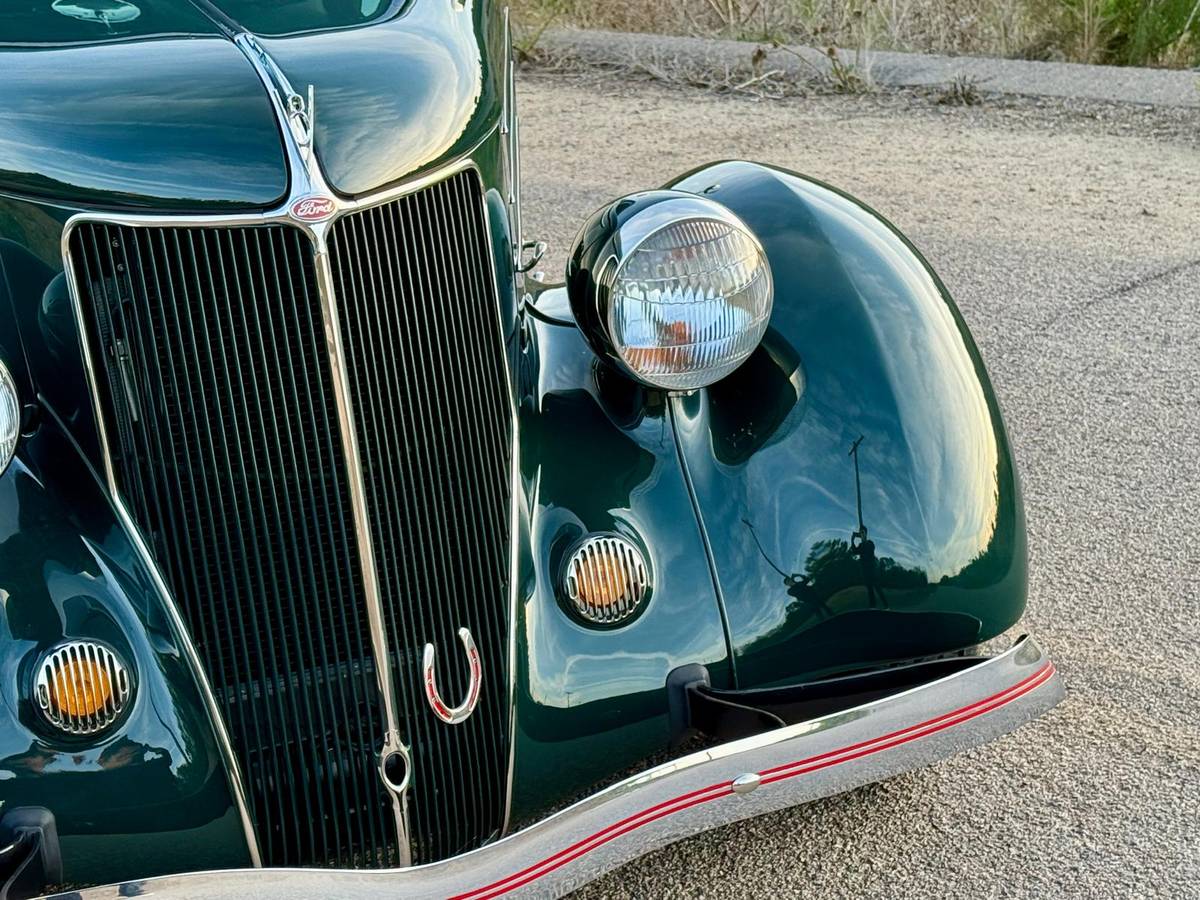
[
  {"x": 884, "y": 520},
  {"x": 429, "y": 97}
]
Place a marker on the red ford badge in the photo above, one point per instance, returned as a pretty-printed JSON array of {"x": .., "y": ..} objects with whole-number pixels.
[{"x": 312, "y": 209}]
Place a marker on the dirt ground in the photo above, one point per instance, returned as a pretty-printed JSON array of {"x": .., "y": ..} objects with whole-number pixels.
[{"x": 1069, "y": 235}]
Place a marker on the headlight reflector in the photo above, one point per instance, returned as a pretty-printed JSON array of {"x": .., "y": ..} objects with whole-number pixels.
[
  {"x": 10, "y": 417},
  {"x": 675, "y": 288}
]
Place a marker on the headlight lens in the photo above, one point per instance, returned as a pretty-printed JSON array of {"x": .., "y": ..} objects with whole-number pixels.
[
  {"x": 680, "y": 289},
  {"x": 690, "y": 303},
  {"x": 10, "y": 417}
]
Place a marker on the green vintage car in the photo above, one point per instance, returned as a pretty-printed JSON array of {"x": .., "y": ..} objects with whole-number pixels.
[{"x": 342, "y": 555}]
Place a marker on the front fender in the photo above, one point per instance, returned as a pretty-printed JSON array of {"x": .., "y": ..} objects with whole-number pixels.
[
  {"x": 151, "y": 795},
  {"x": 854, "y": 478}
]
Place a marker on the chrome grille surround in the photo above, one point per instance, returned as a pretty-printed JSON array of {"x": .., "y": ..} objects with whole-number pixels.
[
  {"x": 624, "y": 589},
  {"x": 339, "y": 370},
  {"x": 54, "y": 669},
  {"x": 307, "y": 180}
]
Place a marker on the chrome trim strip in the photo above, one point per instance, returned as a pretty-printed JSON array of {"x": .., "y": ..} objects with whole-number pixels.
[
  {"x": 174, "y": 617},
  {"x": 362, "y": 529},
  {"x": 514, "y": 567},
  {"x": 296, "y": 118},
  {"x": 785, "y": 767},
  {"x": 509, "y": 128}
]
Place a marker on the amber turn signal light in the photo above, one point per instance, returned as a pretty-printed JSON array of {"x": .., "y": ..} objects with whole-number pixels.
[
  {"x": 81, "y": 687},
  {"x": 606, "y": 578}
]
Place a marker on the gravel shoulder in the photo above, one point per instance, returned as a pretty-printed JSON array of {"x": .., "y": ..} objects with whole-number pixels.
[
  {"x": 1120, "y": 84},
  {"x": 1068, "y": 234}
]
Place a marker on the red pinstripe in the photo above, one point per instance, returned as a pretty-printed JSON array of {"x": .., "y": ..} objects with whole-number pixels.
[{"x": 769, "y": 776}]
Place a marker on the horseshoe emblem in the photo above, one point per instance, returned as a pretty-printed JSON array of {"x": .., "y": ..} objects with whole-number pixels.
[{"x": 454, "y": 715}]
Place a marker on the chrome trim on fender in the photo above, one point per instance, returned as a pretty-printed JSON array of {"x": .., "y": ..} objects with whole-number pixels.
[
  {"x": 510, "y": 128},
  {"x": 788, "y": 766},
  {"x": 509, "y": 132}
]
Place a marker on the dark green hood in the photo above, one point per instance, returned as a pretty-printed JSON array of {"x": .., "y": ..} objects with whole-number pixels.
[{"x": 163, "y": 111}]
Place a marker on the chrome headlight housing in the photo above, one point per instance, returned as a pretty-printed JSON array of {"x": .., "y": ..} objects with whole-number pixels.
[
  {"x": 671, "y": 287},
  {"x": 10, "y": 417}
]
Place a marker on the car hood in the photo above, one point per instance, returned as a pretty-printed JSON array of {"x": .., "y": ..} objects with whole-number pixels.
[{"x": 169, "y": 114}]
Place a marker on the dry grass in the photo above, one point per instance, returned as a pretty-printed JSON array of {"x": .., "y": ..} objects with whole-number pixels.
[
  {"x": 1138, "y": 32},
  {"x": 962, "y": 91},
  {"x": 751, "y": 78}
]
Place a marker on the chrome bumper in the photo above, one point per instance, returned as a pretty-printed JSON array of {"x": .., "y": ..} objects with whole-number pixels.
[{"x": 733, "y": 781}]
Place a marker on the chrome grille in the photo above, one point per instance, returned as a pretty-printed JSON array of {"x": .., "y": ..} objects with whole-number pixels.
[
  {"x": 216, "y": 388},
  {"x": 82, "y": 687},
  {"x": 421, "y": 330}
]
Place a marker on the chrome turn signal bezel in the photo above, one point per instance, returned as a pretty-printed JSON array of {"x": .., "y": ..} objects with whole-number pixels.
[
  {"x": 54, "y": 668},
  {"x": 621, "y": 594}
]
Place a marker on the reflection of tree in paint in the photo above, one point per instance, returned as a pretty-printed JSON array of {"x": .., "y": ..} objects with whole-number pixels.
[
  {"x": 836, "y": 565},
  {"x": 861, "y": 545}
]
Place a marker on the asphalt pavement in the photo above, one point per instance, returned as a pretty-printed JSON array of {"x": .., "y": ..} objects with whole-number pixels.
[{"x": 1070, "y": 237}]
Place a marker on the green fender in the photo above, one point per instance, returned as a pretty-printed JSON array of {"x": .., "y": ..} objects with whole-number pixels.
[
  {"x": 152, "y": 795},
  {"x": 744, "y": 494},
  {"x": 854, "y": 478}
]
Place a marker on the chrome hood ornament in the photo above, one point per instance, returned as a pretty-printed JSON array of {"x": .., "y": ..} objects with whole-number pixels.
[{"x": 312, "y": 200}]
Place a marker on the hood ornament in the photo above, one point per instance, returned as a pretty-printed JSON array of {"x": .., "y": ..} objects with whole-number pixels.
[
  {"x": 462, "y": 712},
  {"x": 311, "y": 207},
  {"x": 297, "y": 119}
]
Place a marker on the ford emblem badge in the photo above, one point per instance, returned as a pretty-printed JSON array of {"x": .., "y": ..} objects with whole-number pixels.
[{"x": 312, "y": 209}]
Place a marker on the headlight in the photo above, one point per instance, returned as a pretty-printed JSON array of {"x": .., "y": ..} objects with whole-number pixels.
[
  {"x": 10, "y": 417},
  {"x": 672, "y": 287}
]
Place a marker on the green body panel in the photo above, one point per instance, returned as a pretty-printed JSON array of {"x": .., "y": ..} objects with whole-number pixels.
[
  {"x": 151, "y": 795},
  {"x": 173, "y": 123},
  {"x": 742, "y": 495},
  {"x": 39, "y": 25},
  {"x": 598, "y": 454},
  {"x": 171, "y": 116},
  {"x": 865, "y": 343},
  {"x": 401, "y": 95}
]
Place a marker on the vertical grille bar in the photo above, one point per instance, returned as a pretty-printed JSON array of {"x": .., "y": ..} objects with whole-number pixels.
[
  {"x": 213, "y": 378},
  {"x": 421, "y": 332}
]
